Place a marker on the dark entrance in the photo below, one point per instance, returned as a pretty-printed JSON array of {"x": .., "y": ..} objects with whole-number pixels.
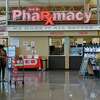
[{"x": 56, "y": 59}]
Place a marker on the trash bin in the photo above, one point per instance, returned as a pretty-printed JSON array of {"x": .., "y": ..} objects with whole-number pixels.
[{"x": 44, "y": 60}]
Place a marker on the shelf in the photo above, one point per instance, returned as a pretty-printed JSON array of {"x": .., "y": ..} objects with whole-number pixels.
[{"x": 91, "y": 52}]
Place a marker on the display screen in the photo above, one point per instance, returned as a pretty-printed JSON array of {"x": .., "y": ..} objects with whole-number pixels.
[{"x": 11, "y": 51}]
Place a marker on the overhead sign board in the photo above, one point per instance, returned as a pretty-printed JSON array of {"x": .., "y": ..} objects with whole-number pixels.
[{"x": 46, "y": 17}]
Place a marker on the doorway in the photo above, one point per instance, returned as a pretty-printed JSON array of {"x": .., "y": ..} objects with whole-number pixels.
[{"x": 56, "y": 58}]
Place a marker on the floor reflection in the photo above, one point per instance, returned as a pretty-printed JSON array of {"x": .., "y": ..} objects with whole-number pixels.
[{"x": 52, "y": 85}]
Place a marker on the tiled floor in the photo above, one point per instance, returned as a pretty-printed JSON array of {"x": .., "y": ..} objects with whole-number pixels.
[{"x": 52, "y": 85}]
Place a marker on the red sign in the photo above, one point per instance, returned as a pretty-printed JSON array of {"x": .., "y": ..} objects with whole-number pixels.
[
  {"x": 57, "y": 33},
  {"x": 49, "y": 17},
  {"x": 30, "y": 61},
  {"x": 83, "y": 32}
]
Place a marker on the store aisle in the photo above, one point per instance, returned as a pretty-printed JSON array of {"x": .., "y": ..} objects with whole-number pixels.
[{"x": 52, "y": 85}]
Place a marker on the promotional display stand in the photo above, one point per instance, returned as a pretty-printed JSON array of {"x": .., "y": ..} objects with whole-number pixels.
[
  {"x": 11, "y": 52},
  {"x": 92, "y": 65},
  {"x": 34, "y": 62}
]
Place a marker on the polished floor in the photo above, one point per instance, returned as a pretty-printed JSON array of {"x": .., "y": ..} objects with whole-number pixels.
[{"x": 52, "y": 85}]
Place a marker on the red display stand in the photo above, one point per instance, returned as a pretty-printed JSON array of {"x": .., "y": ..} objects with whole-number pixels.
[{"x": 29, "y": 63}]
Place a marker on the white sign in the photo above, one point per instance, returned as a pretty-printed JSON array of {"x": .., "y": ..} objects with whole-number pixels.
[
  {"x": 35, "y": 28},
  {"x": 30, "y": 61},
  {"x": 14, "y": 42},
  {"x": 3, "y": 34},
  {"x": 25, "y": 43},
  {"x": 33, "y": 44},
  {"x": 2, "y": 19}
]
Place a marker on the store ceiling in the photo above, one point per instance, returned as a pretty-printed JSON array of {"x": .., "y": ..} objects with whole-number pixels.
[{"x": 41, "y": 2}]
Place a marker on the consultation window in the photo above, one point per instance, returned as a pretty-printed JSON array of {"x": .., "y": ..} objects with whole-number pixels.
[{"x": 56, "y": 46}]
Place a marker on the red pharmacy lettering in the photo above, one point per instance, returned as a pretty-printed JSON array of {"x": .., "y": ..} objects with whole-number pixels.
[{"x": 47, "y": 16}]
